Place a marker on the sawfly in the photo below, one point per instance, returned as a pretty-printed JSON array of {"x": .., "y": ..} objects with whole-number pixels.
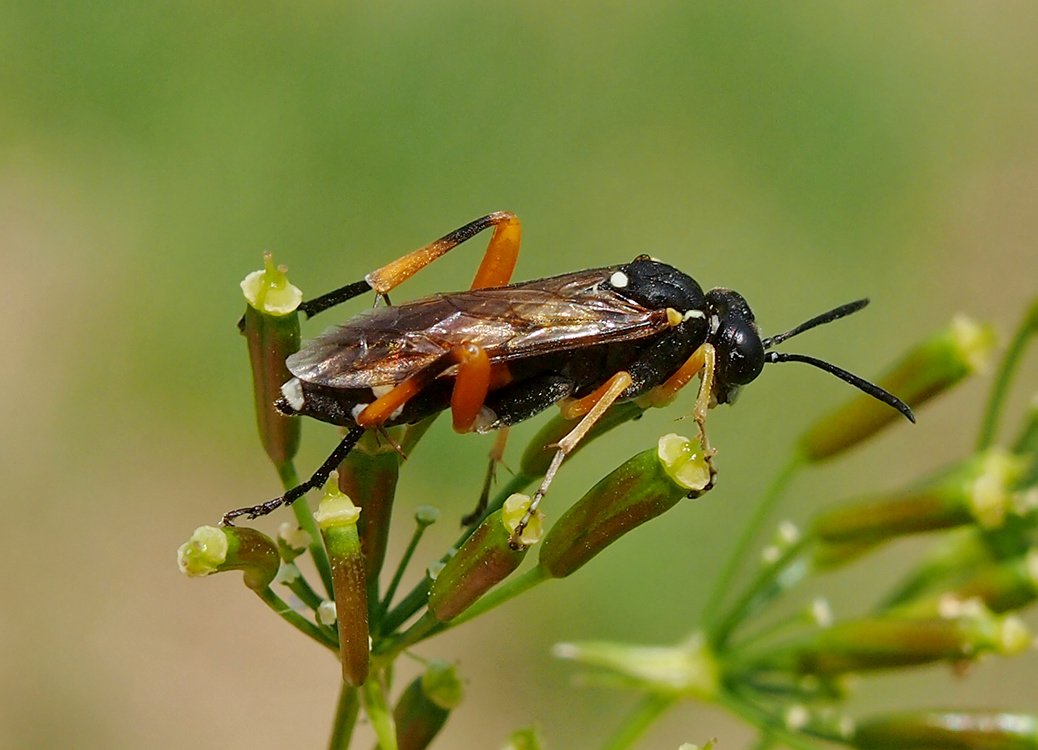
[{"x": 499, "y": 353}]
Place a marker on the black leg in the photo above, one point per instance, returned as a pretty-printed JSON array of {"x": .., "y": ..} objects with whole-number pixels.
[
  {"x": 335, "y": 297},
  {"x": 318, "y": 479}
]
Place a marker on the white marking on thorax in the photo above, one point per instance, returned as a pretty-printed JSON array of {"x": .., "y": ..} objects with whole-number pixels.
[
  {"x": 378, "y": 391},
  {"x": 618, "y": 279},
  {"x": 694, "y": 314},
  {"x": 356, "y": 410},
  {"x": 293, "y": 393}
]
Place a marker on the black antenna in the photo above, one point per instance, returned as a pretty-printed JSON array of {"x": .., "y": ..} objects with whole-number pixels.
[
  {"x": 827, "y": 317},
  {"x": 848, "y": 377}
]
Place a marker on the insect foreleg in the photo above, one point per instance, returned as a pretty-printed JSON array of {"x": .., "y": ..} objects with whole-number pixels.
[
  {"x": 615, "y": 386},
  {"x": 317, "y": 479}
]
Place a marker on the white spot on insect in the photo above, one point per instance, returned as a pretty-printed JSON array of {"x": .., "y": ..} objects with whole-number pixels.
[
  {"x": 715, "y": 323},
  {"x": 397, "y": 412},
  {"x": 485, "y": 420},
  {"x": 694, "y": 314},
  {"x": 293, "y": 393},
  {"x": 618, "y": 279},
  {"x": 356, "y": 410},
  {"x": 378, "y": 391}
]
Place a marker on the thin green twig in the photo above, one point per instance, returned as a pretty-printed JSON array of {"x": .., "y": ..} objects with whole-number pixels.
[
  {"x": 648, "y": 710},
  {"x": 346, "y": 710},
  {"x": 305, "y": 519},
  {"x": 1027, "y": 329},
  {"x": 749, "y": 532},
  {"x": 296, "y": 620}
]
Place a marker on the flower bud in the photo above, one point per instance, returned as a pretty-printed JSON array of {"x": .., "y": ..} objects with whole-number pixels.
[
  {"x": 952, "y": 730},
  {"x": 292, "y": 541},
  {"x": 637, "y": 491},
  {"x": 337, "y": 518},
  {"x": 541, "y": 449},
  {"x": 688, "y": 669},
  {"x": 485, "y": 559},
  {"x": 370, "y": 472},
  {"x": 980, "y": 492},
  {"x": 898, "y": 641},
  {"x": 931, "y": 368},
  {"x": 271, "y": 328},
  {"x": 1008, "y": 585},
  {"x": 425, "y": 705},
  {"x": 524, "y": 739},
  {"x": 213, "y": 549}
]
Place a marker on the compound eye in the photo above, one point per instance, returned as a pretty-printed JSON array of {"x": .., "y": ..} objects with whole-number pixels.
[{"x": 740, "y": 353}]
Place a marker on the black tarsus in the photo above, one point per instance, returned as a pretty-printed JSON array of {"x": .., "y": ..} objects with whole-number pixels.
[
  {"x": 848, "y": 377},
  {"x": 317, "y": 479},
  {"x": 335, "y": 297},
  {"x": 827, "y": 317}
]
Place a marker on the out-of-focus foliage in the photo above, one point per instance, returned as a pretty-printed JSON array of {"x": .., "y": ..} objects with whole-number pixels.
[{"x": 803, "y": 153}]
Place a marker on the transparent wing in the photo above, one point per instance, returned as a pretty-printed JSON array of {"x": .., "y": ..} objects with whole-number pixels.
[{"x": 386, "y": 344}]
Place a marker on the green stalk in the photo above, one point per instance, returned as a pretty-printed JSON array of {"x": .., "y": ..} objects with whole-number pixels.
[
  {"x": 394, "y": 584},
  {"x": 305, "y": 519},
  {"x": 296, "y": 620},
  {"x": 506, "y": 590},
  {"x": 1000, "y": 387},
  {"x": 764, "y": 722},
  {"x": 417, "y": 597},
  {"x": 346, "y": 711},
  {"x": 747, "y": 601},
  {"x": 378, "y": 712},
  {"x": 634, "y": 726},
  {"x": 746, "y": 536}
]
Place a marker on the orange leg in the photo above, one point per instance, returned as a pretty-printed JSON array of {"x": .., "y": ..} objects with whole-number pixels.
[
  {"x": 495, "y": 270},
  {"x": 615, "y": 386},
  {"x": 471, "y": 385}
]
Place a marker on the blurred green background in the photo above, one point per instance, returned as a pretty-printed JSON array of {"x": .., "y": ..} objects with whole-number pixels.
[{"x": 803, "y": 153}]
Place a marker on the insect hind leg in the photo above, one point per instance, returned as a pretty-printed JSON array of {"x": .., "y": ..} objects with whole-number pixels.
[
  {"x": 495, "y": 269},
  {"x": 317, "y": 479}
]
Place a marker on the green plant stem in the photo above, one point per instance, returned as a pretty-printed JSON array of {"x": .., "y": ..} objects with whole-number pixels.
[
  {"x": 508, "y": 589},
  {"x": 386, "y": 651},
  {"x": 749, "y": 531},
  {"x": 417, "y": 596},
  {"x": 305, "y": 519},
  {"x": 394, "y": 584},
  {"x": 346, "y": 711},
  {"x": 764, "y": 722},
  {"x": 1006, "y": 370},
  {"x": 378, "y": 712},
  {"x": 753, "y": 595},
  {"x": 296, "y": 620},
  {"x": 407, "y": 607},
  {"x": 302, "y": 589},
  {"x": 647, "y": 711}
]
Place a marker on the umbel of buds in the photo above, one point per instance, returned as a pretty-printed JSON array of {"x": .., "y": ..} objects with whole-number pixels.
[{"x": 337, "y": 518}]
